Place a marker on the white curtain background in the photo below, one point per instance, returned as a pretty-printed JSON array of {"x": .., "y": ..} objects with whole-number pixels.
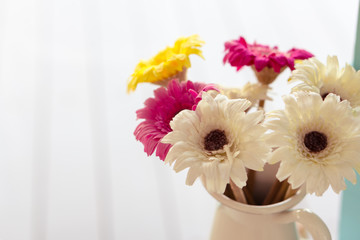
[{"x": 70, "y": 167}]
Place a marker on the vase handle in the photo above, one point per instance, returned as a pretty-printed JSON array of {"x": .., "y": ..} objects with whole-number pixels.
[{"x": 312, "y": 223}]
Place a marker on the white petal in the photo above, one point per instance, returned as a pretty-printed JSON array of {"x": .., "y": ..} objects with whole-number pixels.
[
  {"x": 238, "y": 174},
  {"x": 335, "y": 179},
  {"x": 300, "y": 174},
  {"x": 280, "y": 154},
  {"x": 192, "y": 175}
]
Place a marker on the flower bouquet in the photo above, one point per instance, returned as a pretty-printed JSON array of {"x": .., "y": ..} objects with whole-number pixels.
[{"x": 252, "y": 161}]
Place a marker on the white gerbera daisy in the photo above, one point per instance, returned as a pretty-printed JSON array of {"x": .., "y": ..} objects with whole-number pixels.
[
  {"x": 217, "y": 141},
  {"x": 316, "y": 77},
  {"x": 317, "y": 142},
  {"x": 250, "y": 91}
]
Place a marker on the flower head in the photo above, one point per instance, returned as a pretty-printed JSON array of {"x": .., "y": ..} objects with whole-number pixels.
[
  {"x": 324, "y": 79},
  {"x": 316, "y": 140},
  {"x": 217, "y": 141},
  {"x": 239, "y": 53},
  {"x": 250, "y": 91},
  {"x": 160, "y": 110},
  {"x": 167, "y": 64}
]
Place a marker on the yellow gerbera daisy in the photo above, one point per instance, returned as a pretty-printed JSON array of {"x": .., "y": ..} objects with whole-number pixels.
[{"x": 168, "y": 63}]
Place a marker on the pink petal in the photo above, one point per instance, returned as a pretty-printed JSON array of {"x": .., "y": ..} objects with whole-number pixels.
[
  {"x": 260, "y": 63},
  {"x": 239, "y": 53},
  {"x": 299, "y": 54},
  {"x": 160, "y": 110}
]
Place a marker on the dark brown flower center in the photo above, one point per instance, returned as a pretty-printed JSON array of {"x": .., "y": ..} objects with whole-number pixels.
[
  {"x": 215, "y": 140},
  {"x": 315, "y": 141}
]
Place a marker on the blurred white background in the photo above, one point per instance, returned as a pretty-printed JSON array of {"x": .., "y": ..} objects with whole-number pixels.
[{"x": 70, "y": 168}]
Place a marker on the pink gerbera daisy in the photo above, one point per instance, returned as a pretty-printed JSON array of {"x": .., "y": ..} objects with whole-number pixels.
[
  {"x": 161, "y": 109},
  {"x": 239, "y": 53}
]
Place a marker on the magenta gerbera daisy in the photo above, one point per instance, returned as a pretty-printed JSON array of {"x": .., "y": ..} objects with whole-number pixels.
[
  {"x": 239, "y": 53},
  {"x": 161, "y": 109}
]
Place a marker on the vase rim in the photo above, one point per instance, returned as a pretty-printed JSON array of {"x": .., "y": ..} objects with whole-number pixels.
[{"x": 261, "y": 209}]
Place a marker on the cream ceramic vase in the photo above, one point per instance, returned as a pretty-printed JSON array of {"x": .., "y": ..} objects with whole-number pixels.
[{"x": 235, "y": 221}]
